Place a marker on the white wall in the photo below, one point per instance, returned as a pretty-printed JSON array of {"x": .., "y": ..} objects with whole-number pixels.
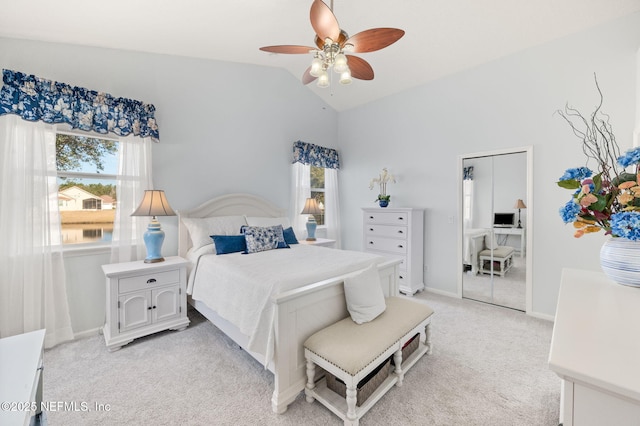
[
  {"x": 224, "y": 127},
  {"x": 420, "y": 134}
]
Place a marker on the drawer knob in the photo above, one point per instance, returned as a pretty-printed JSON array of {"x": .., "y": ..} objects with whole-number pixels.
[
  {"x": 401, "y": 218},
  {"x": 370, "y": 217},
  {"x": 151, "y": 280},
  {"x": 400, "y": 232},
  {"x": 401, "y": 277},
  {"x": 400, "y": 245},
  {"x": 371, "y": 229},
  {"x": 371, "y": 242}
]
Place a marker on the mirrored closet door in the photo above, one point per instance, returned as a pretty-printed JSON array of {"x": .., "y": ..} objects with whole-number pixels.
[{"x": 494, "y": 232}]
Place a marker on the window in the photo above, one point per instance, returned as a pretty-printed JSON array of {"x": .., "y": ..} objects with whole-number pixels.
[
  {"x": 317, "y": 190},
  {"x": 87, "y": 169}
]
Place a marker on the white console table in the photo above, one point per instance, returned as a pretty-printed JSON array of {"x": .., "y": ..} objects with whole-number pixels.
[
  {"x": 595, "y": 350},
  {"x": 513, "y": 231},
  {"x": 21, "y": 377}
]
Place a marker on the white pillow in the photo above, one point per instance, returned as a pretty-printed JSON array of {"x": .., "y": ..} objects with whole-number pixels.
[
  {"x": 201, "y": 229},
  {"x": 490, "y": 241},
  {"x": 268, "y": 221},
  {"x": 365, "y": 299}
]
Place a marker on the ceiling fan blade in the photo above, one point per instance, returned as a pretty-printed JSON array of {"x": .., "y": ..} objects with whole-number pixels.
[
  {"x": 291, "y": 49},
  {"x": 374, "y": 39},
  {"x": 323, "y": 21},
  {"x": 307, "y": 77},
  {"x": 360, "y": 68}
]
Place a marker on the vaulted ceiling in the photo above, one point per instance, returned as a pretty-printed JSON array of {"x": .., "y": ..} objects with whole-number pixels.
[{"x": 442, "y": 37}]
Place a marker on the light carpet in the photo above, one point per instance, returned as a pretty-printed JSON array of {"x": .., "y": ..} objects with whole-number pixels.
[{"x": 489, "y": 367}]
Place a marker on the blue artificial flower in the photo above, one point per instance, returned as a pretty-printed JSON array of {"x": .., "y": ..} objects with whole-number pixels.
[
  {"x": 630, "y": 157},
  {"x": 577, "y": 173},
  {"x": 570, "y": 211},
  {"x": 626, "y": 225}
]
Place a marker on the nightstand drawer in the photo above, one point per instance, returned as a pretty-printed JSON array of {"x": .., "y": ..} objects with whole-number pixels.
[
  {"x": 387, "y": 218},
  {"x": 141, "y": 282},
  {"x": 386, "y": 244},
  {"x": 395, "y": 231}
]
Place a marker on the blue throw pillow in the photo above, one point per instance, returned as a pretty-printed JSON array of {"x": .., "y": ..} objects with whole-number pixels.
[
  {"x": 289, "y": 236},
  {"x": 229, "y": 243}
]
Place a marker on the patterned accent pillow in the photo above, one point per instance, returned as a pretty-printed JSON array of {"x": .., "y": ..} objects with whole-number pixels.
[{"x": 260, "y": 238}]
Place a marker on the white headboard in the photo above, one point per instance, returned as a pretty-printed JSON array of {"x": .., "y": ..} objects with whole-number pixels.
[{"x": 225, "y": 205}]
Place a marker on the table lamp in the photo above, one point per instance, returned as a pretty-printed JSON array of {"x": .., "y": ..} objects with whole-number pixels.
[
  {"x": 154, "y": 204},
  {"x": 519, "y": 205},
  {"x": 311, "y": 207}
]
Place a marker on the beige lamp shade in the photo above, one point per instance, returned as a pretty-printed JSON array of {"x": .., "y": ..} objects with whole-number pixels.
[
  {"x": 154, "y": 204},
  {"x": 311, "y": 207},
  {"x": 519, "y": 204}
]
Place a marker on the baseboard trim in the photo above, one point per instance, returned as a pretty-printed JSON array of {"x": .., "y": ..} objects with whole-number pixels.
[
  {"x": 87, "y": 333},
  {"x": 441, "y": 292},
  {"x": 547, "y": 317}
]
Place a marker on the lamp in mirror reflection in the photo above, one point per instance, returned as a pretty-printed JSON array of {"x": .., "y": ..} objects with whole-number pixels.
[
  {"x": 519, "y": 205},
  {"x": 311, "y": 208},
  {"x": 154, "y": 204}
]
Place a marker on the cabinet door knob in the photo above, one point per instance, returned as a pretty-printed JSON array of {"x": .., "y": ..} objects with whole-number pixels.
[
  {"x": 149, "y": 308},
  {"x": 151, "y": 280},
  {"x": 154, "y": 307}
]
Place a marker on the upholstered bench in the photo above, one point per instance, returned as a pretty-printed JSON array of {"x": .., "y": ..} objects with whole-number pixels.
[
  {"x": 352, "y": 351},
  {"x": 501, "y": 254}
]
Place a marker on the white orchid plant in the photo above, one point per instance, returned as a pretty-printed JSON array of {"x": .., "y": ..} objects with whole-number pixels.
[{"x": 382, "y": 180}]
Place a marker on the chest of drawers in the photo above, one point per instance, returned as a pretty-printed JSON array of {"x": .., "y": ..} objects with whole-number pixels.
[{"x": 397, "y": 233}]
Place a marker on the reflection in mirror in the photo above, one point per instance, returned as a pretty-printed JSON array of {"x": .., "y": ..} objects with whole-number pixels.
[{"x": 494, "y": 188}]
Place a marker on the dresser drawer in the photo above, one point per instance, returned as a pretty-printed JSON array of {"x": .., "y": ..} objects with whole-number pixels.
[
  {"x": 394, "y": 231},
  {"x": 387, "y": 218},
  {"x": 148, "y": 280},
  {"x": 386, "y": 244}
]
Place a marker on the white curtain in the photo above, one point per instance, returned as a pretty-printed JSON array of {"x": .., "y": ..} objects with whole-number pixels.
[
  {"x": 300, "y": 191},
  {"x": 332, "y": 205},
  {"x": 636, "y": 132},
  {"x": 134, "y": 177},
  {"x": 33, "y": 293}
]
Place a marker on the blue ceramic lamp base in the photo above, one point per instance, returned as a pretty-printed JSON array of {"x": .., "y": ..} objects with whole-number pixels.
[
  {"x": 153, "y": 239},
  {"x": 311, "y": 228}
]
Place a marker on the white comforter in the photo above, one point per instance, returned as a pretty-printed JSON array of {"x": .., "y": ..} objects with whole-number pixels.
[{"x": 239, "y": 287}]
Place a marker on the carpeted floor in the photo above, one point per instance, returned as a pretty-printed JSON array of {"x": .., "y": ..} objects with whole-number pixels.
[{"x": 489, "y": 367}]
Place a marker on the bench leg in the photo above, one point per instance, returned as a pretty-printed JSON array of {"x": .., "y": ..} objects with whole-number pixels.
[
  {"x": 311, "y": 384},
  {"x": 397, "y": 359},
  {"x": 352, "y": 418},
  {"x": 427, "y": 340}
]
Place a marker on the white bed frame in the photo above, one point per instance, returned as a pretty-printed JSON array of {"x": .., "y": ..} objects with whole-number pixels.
[{"x": 298, "y": 313}]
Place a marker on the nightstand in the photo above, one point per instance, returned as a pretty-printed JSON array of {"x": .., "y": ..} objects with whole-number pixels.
[
  {"x": 144, "y": 298},
  {"x": 322, "y": 242}
]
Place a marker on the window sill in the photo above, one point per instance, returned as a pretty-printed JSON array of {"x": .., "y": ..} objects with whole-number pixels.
[{"x": 86, "y": 250}]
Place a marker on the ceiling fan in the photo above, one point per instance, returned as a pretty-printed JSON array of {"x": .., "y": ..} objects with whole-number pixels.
[{"x": 332, "y": 46}]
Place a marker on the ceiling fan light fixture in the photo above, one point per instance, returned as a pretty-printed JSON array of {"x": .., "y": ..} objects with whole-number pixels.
[
  {"x": 345, "y": 77},
  {"x": 316, "y": 67},
  {"x": 323, "y": 79},
  {"x": 340, "y": 63}
]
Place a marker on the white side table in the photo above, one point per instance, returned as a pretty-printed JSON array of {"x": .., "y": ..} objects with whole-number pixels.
[
  {"x": 322, "y": 242},
  {"x": 144, "y": 298},
  {"x": 21, "y": 377}
]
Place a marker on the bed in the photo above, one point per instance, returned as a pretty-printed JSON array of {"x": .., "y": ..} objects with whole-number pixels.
[{"x": 292, "y": 312}]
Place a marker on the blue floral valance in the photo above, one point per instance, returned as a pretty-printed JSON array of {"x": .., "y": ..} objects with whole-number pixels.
[
  {"x": 315, "y": 155},
  {"x": 34, "y": 98}
]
